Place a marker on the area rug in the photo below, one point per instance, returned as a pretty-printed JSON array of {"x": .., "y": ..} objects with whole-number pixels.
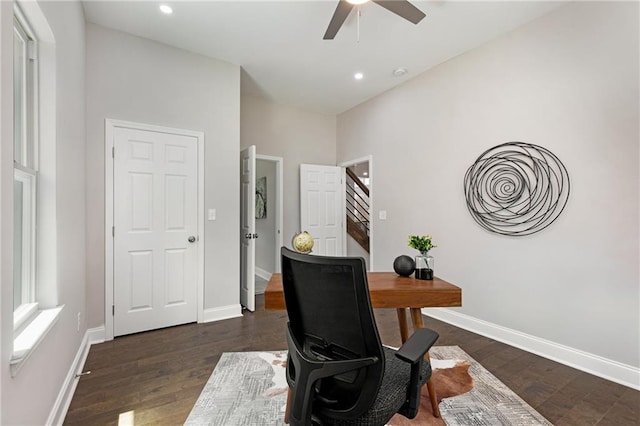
[{"x": 250, "y": 389}]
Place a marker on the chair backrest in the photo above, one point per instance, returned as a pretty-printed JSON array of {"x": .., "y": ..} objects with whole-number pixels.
[{"x": 330, "y": 317}]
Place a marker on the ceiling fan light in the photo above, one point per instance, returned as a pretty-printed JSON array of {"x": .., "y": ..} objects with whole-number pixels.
[
  {"x": 166, "y": 9},
  {"x": 356, "y": 2}
]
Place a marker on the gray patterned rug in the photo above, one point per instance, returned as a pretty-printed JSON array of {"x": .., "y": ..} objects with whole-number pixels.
[{"x": 250, "y": 389}]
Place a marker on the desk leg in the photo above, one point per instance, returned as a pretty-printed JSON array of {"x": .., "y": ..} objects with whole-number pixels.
[
  {"x": 287, "y": 411},
  {"x": 404, "y": 325},
  {"x": 416, "y": 318}
]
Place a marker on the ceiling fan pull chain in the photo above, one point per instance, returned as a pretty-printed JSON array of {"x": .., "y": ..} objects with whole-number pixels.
[{"x": 358, "y": 25}]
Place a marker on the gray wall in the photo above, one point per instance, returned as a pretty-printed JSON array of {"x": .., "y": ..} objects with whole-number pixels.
[
  {"x": 134, "y": 79},
  {"x": 355, "y": 249},
  {"x": 568, "y": 82},
  {"x": 265, "y": 228},
  {"x": 29, "y": 397},
  {"x": 295, "y": 135}
]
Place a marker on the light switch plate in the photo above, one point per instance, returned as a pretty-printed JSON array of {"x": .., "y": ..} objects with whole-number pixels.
[
  {"x": 382, "y": 214},
  {"x": 212, "y": 214}
]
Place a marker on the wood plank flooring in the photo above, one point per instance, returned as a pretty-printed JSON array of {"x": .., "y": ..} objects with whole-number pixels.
[{"x": 158, "y": 375}]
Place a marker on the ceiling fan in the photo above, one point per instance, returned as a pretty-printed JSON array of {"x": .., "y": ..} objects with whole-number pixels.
[{"x": 401, "y": 8}]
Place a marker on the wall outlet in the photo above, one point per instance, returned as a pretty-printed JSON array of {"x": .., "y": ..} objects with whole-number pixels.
[{"x": 79, "y": 316}]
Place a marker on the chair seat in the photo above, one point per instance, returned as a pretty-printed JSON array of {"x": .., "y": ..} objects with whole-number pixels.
[{"x": 392, "y": 394}]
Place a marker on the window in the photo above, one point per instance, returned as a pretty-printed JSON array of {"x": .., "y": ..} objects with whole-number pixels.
[
  {"x": 36, "y": 307},
  {"x": 25, "y": 172}
]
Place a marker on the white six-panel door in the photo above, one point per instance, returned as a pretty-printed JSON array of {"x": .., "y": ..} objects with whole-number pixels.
[
  {"x": 155, "y": 204},
  {"x": 248, "y": 228},
  {"x": 322, "y": 211}
]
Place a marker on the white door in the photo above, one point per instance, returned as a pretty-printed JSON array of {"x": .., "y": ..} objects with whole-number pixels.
[
  {"x": 321, "y": 207},
  {"x": 248, "y": 228},
  {"x": 155, "y": 230}
]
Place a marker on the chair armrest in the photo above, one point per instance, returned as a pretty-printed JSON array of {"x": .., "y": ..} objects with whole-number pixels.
[
  {"x": 413, "y": 352},
  {"x": 417, "y": 345}
]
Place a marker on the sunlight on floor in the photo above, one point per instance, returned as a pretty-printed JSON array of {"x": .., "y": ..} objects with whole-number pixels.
[{"x": 126, "y": 419}]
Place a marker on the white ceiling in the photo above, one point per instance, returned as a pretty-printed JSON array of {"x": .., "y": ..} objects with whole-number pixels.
[{"x": 279, "y": 44}]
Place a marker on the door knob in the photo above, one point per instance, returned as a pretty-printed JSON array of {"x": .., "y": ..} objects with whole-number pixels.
[{"x": 191, "y": 239}]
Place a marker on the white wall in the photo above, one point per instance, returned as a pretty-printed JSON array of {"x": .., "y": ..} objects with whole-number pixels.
[
  {"x": 569, "y": 82},
  {"x": 266, "y": 228},
  {"x": 295, "y": 135},
  {"x": 134, "y": 79},
  {"x": 29, "y": 397}
]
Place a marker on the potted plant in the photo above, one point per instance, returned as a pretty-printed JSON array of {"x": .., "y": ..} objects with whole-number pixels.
[{"x": 424, "y": 262}]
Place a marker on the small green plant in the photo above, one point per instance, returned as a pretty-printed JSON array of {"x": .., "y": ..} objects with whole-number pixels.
[{"x": 421, "y": 243}]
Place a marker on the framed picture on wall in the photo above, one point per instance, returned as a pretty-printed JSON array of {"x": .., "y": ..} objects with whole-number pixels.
[{"x": 261, "y": 198}]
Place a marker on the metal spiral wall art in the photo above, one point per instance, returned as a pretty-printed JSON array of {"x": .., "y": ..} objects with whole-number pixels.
[{"x": 516, "y": 189}]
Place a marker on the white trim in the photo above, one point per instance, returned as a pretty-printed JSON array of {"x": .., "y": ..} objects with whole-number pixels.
[
  {"x": 345, "y": 164},
  {"x": 63, "y": 401},
  {"x": 38, "y": 23},
  {"x": 23, "y": 313},
  {"x": 30, "y": 337},
  {"x": 609, "y": 369},
  {"x": 29, "y": 208},
  {"x": 263, "y": 273},
  {"x": 222, "y": 313},
  {"x": 108, "y": 224},
  {"x": 96, "y": 335},
  {"x": 110, "y": 126},
  {"x": 279, "y": 207},
  {"x": 201, "y": 240}
]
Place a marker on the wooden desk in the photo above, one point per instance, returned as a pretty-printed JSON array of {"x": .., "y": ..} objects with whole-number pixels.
[{"x": 389, "y": 290}]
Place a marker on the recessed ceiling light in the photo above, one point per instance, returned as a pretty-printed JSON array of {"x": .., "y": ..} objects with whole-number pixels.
[
  {"x": 358, "y": 76},
  {"x": 399, "y": 72},
  {"x": 357, "y": 1},
  {"x": 166, "y": 9}
]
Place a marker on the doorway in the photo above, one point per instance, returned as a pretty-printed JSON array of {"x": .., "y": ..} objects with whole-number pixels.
[
  {"x": 154, "y": 275},
  {"x": 322, "y": 210},
  {"x": 359, "y": 206},
  {"x": 260, "y": 222},
  {"x": 268, "y": 218}
]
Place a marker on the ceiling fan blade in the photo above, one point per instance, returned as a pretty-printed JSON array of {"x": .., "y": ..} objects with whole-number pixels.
[
  {"x": 402, "y": 8},
  {"x": 339, "y": 16}
]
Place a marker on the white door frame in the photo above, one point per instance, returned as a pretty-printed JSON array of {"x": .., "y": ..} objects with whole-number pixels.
[
  {"x": 110, "y": 126},
  {"x": 369, "y": 159},
  {"x": 279, "y": 205}
]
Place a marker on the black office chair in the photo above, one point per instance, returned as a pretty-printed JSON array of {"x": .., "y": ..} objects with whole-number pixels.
[{"x": 337, "y": 369}]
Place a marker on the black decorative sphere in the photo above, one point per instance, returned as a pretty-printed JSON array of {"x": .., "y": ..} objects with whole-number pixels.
[{"x": 404, "y": 265}]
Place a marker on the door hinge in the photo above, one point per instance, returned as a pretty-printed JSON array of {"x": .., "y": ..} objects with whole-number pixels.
[
  {"x": 113, "y": 231},
  {"x": 113, "y": 152},
  {"x": 113, "y": 310}
]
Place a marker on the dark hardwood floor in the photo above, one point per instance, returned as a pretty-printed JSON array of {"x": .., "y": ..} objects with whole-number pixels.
[{"x": 159, "y": 374}]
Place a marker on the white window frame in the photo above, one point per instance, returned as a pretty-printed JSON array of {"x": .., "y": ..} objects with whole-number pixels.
[
  {"x": 29, "y": 306},
  {"x": 34, "y": 320},
  {"x": 26, "y": 171}
]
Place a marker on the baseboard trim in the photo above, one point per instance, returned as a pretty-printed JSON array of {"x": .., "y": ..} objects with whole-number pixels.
[
  {"x": 263, "y": 273},
  {"x": 614, "y": 371},
  {"x": 97, "y": 335},
  {"x": 60, "y": 407},
  {"x": 222, "y": 313}
]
